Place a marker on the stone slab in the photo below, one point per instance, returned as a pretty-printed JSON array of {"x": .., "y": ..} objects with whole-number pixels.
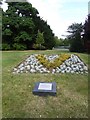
[{"x": 45, "y": 88}]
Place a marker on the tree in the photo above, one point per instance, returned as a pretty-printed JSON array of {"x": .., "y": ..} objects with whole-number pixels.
[
  {"x": 20, "y": 26},
  {"x": 57, "y": 41},
  {"x": 47, "y": 32},
  {"x": 40, "y": 39},
  {"x": 0, "y": 26},
  {"x": 76, "y": 42},
  {"x": 86, "y": 35}
]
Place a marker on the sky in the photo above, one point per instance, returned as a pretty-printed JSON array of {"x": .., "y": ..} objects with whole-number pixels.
[{"x": 60, "y": 14}]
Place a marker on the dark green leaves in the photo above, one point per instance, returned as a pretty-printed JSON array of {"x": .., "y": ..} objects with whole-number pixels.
[
  {"x": 20, "y": 27},
  {"x": 75, "y": 31}
]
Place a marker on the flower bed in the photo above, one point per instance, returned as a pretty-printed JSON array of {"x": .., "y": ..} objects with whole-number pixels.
[
  {"x": 64, "y": 63},
  {"x": 49, "y": 63}
]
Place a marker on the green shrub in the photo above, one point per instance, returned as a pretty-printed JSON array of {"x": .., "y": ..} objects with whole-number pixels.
[
  {"x": 17, "y": 46},
  {"x": 76, "y": 46},
  {"x": 5, "y": 46},
  {"x": 38, "y": 47}
]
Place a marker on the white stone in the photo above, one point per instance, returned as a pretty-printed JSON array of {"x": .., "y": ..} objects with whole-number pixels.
[
  {"x": 28, "y": 59},
  {"x": 25, "y": 63},
  {"x": 57, "y": 68},
  {"x": 21, "y": 71},
  {"x": 32, "y": 71},
  {"x": 53, "y": 70},
  {"x": 21, "y": 65},
  {"x": 30, "y": 62},
  {"x": 72, "y": 71},
  {"x": 77, "y": 68},
  {"x": 22, "y": 68},
  {"x": 15, "y": 69},
  {"x": 72, "y": 66},
  {"x": 37, "y": 68},
  {"x": 68, "y": 69},
  {"x": 28, "y": 67},
  {"x": 85, "y": 68},
  {"x": 18, "y": 71},
  {"x": 67, "y": 64},
  {"x": 62, "y": 71},
  {"x": 81, "y": 63},
  {"x": 26, "y": 71},
  {"x": 13, "y": 72},
  {"x": 41, "y": 71},
  {"x": 64, "y": 66},
  {"x": 57, "y": 71},
  {"x": 74, "y": 59},
  {"x": 48, "y": 71},
  {"x": 81, "y": 69},
  {"x": 79, "y": 60},
  {"x": 86, "y": 72},
  {"x": 32, "y": 66},
  {"x": 44, "y": 69}
]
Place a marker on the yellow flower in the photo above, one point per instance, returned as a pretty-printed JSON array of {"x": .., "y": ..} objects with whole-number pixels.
[{"x": 56, "y": 63}]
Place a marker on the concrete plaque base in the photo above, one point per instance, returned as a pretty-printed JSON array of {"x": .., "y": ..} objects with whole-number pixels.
[{"x": 44, "y": 88}]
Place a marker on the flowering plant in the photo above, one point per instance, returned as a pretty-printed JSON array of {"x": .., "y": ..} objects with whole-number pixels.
[{"x": 52, "y": 64}]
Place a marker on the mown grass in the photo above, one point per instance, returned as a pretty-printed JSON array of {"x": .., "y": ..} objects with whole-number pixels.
[
  {"x": 0, "y": 84},
  {"x": 18, "y": 101}
]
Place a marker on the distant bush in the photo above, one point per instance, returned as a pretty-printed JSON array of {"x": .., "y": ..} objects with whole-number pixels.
[
  {"x": 5, "y": 46},
  {"x": 38, "y": 47},
  {"x": 17, "y": 46},
  {"x": 76, "y": 46}
]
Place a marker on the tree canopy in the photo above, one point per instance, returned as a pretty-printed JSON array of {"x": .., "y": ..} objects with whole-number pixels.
[
  {"x": 86, "y": 34},
  {"x": 20, "y": 25},
  {"x": 76, "y": 44}
]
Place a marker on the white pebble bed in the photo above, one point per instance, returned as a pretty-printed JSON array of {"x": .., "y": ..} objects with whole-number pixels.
[{"x": 72, "y": 65}]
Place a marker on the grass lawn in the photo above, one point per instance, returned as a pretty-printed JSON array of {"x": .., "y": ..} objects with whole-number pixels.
[{"x": 19, "y": 102}]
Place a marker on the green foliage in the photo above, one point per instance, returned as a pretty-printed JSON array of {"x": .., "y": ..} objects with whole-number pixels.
[
  {"x": 86, "y": 35},
  {"x": 76, "y": 45},
  {"x": 7, "y": 32},
  {"x": 20, "y": 25},
  {"x": 39, "y": 39},
  {"x": 17, "y": 46},
  {"x": 5, "y": 46},
  {"x": 66, "y": 42},
  {"x": 23, "y": 36},
  {"x": 61, "y": 42},
  {"x": 38, "y": 47},
  {"x": 49, "y": 38},
  {"x": 76, "y": 42},
  {"x": 57, "y": 41}
]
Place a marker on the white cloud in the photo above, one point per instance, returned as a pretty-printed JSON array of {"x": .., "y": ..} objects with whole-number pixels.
[
  {"x": 57, "y": 16},
  {"x": 49, "y": 11},
  {"x": 78, "y": 1}
]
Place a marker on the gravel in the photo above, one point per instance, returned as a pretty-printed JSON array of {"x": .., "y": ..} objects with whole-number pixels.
[{"x": 72, "y": 65}]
